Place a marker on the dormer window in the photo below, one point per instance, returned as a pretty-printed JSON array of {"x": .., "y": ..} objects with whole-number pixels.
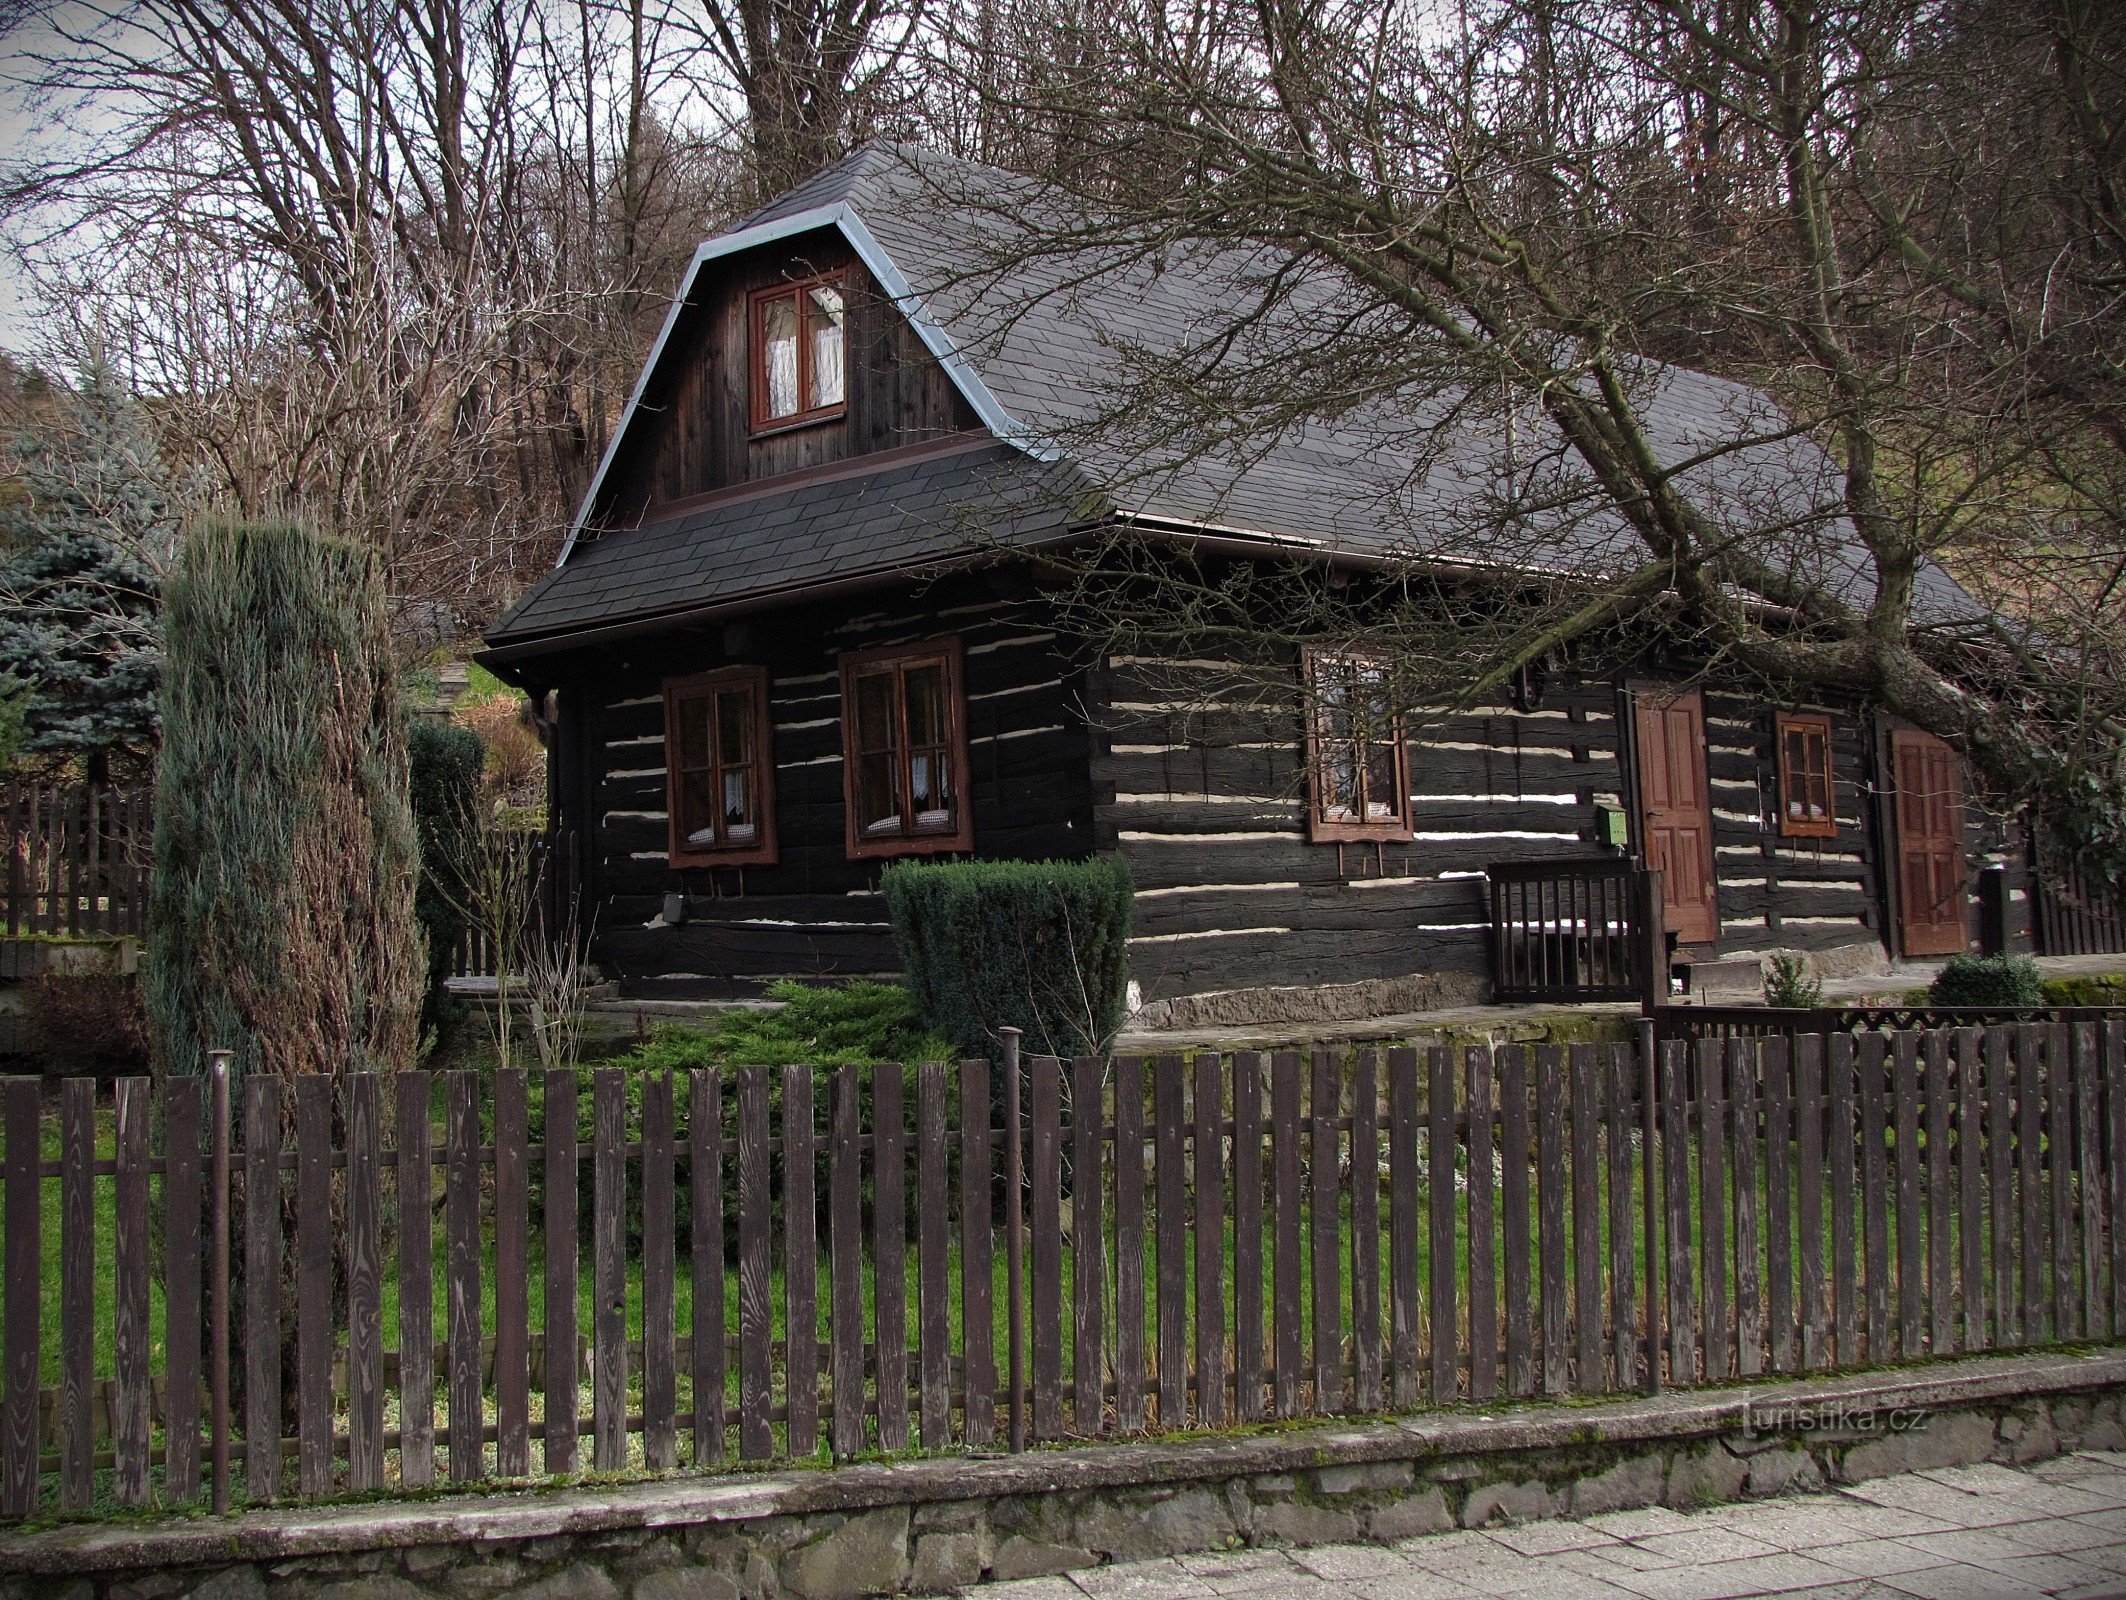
[{"x": 799, "y": 355}]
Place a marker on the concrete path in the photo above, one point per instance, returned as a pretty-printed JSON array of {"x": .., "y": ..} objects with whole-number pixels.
[{"x": 1961, "y": 1533}]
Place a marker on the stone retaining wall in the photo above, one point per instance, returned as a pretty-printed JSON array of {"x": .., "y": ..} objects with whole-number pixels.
[{"x": 932, "y": 1525}]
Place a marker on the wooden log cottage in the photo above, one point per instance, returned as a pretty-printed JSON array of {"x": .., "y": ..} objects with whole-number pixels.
[{"x": 800, "y": 629}]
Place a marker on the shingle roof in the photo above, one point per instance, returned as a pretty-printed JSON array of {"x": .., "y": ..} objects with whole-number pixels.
[
  {"x": 1050, "y": 343},
  {"x": 931, "y": 508}
]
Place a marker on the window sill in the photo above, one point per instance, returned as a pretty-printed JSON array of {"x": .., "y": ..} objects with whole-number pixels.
[
  {"x": 772, "y": 430},
  {"x": 919, "y": 844},
  {"x": 759, "y": 855},
  {"x": 1358, "y": 833}
]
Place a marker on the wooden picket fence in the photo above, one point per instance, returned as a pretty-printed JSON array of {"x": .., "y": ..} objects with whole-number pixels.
[
  {"x": 2075, "y": 912},
  {"x": 1155, "y": 1244},
  {"x": 77, "y": 860}
]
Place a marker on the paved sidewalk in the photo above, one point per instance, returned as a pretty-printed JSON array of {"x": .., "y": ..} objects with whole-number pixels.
[{"x": 1962, "y": 1533}]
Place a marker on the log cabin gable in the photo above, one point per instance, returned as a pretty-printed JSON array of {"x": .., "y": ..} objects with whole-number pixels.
[{"x": 694, "y": 429}]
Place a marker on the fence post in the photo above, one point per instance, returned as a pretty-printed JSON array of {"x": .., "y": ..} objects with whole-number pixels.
[
  {"x": 1652, "y": 925},
  {"x": 1014, "y": 1238},
  {"x": 218, "y": 1336},
  {"x": 1650, "y": 1199},
  {"x": 1993, "y": 911}
]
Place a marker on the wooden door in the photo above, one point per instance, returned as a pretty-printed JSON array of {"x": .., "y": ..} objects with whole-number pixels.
[
  {"x": 1932, "y": 893},
  {"x": 1675, "y": 810}
]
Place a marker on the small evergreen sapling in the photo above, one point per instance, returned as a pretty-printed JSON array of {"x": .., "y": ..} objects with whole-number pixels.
[
  {"x": 444, "y": 763},
  {"x": 1788, "y": 982}
]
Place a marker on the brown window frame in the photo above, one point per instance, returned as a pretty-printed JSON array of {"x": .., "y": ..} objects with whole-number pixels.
[
  {"x": 1819, "y": 724},
  {"x": 856, "y": 664},
  {"x": 757, "y": 304},
  {"x": 761, "y": 850},
  {"x": 1321, "y": 827}
]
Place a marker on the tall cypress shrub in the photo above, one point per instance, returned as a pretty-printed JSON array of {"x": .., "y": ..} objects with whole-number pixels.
[{"x": 281, "y": 918}]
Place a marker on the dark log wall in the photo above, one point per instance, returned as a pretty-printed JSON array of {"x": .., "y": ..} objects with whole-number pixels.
[
  {"x": 1180, "y": 769},
  {"x": 698, "y": 436},
  {"x": 817, "y": 913},
  {"x": 1202, "y": 793},
  {"x": 1778, "y": 893}
]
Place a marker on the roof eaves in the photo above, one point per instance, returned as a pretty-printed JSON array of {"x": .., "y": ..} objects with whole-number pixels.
[{"x": 540, "y": 641}]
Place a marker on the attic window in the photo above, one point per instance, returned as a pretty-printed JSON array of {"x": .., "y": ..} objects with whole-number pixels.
[
  {"x": 1358, "y": 770},
  {"x": 904, "y": 750},
  {"x": 720, "y": 780},
  {"x": 1807, "y": 796},
  {"x": 799, "y": 354}
]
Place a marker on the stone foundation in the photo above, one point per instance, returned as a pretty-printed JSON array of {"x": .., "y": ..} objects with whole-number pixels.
[
  {"x": 939, "y": 1524},
  {"x": 1314, "y": 1002}
]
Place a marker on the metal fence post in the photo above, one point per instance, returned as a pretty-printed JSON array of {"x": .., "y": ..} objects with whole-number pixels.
[
  {"x": 218, "y": 1337},
  {"x": 1014, "y": 1235},
  {"x": 1648, "y": 1077}
]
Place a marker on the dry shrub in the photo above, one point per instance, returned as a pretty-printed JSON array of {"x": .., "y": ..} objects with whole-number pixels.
[
  {"x": 516, "y": 760},
  {"x": 89, "y": 1022}
]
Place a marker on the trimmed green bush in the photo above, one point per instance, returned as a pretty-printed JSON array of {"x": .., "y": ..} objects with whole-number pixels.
[
  {"x": 444, "y": 762},
  {"x": 1037, "y": 945},
  {"x": 1988, "y": 981}
]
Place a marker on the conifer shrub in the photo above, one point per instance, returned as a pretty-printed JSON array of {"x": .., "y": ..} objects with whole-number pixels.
[
  {"x": 82, "y": 550},
  {"x": 281, "y": 916},
  {"x": 1037, "y": 945},
  {"x": 1988, "y": 981},
  {"x": 444, "y": 762},
  {"x": 820, "y": 1026},
  {"x": 1788, "y": 982}
]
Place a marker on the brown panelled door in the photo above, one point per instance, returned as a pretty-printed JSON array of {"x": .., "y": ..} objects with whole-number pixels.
[
  {"x": 1931, "y": 890},
  {"x": 1676, "y": 811}
]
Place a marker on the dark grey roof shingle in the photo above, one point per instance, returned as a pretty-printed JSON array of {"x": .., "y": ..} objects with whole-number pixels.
[
  {"x": 929, "y": 509},
  {"x": 1421, "y": 475}
]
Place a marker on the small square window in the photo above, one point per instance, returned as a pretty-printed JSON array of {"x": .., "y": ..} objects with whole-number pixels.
[
  {"x": 719, "y": 769},
  {"x": 1808, "y": 794},
  {"x": 1357, "y": 768},
  {"x": 904, "y": 744},
  {"x": 800, "y": 352}
]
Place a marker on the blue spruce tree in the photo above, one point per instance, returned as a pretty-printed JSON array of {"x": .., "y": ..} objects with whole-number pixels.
[{"x": 82, "y": 551}]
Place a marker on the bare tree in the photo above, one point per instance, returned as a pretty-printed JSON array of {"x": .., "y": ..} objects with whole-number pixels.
[
  {"x": 1473, "y": 236},
  {"x": 815, "y": 76},
  {"x": 393, "y": 265}
]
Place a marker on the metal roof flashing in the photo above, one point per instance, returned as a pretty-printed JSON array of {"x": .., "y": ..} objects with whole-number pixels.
[{"x": 840, "y": 215}]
